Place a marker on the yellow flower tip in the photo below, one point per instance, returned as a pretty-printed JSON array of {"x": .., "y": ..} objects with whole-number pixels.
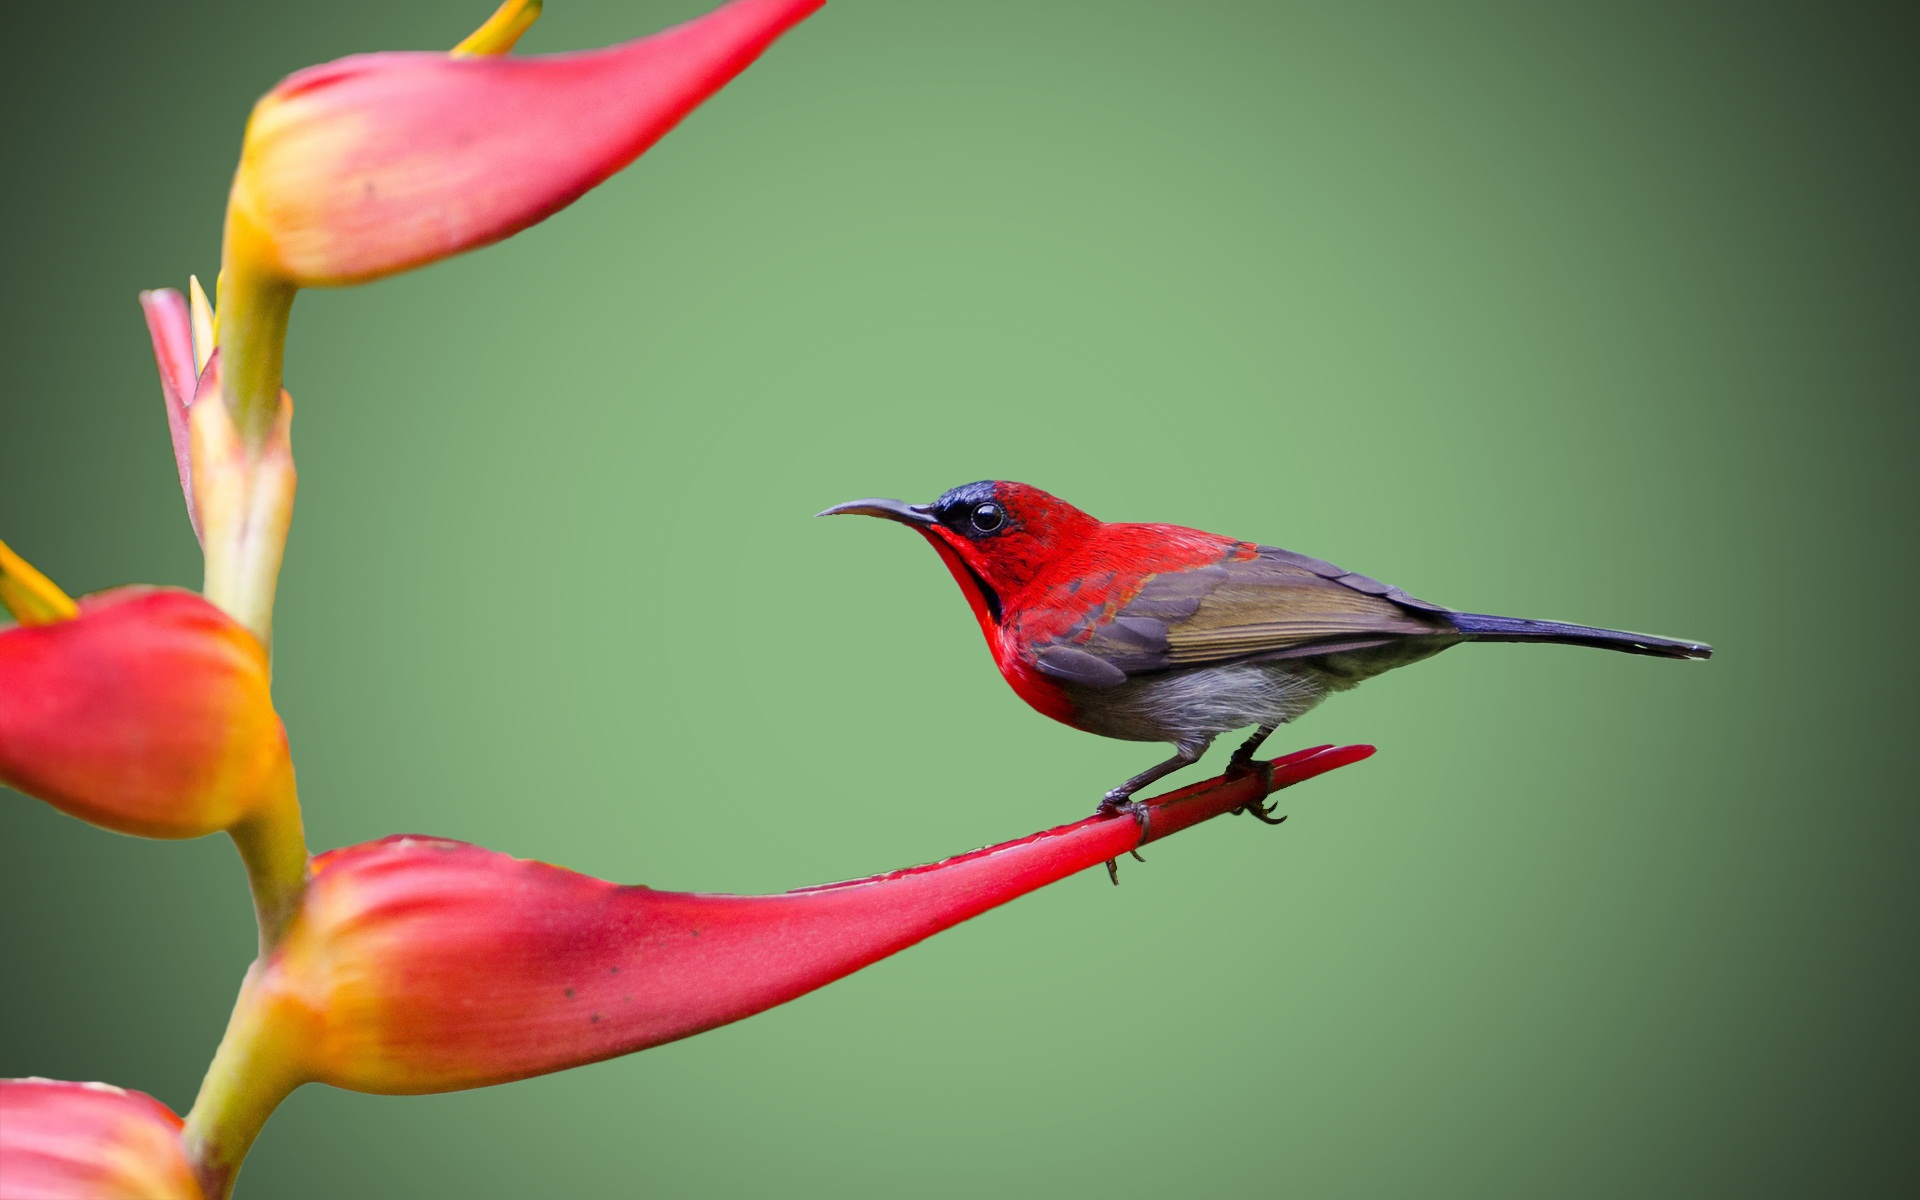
[
  {"x": 31, "y": 597},
  {"x": 203, "y": 323},
  {"x": 502, "y": 30}
]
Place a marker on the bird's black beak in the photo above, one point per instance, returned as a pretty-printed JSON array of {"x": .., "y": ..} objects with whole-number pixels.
[{"x": 892, "y": 510}]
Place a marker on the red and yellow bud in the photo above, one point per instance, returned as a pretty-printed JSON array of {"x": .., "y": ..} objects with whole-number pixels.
[
  {"x": 379, "y": 162},
  {"x": 148, "y": 712},
  {"x": 239, "y": 492},
  {"x": 89, "y": 1141},
  {"x": 243, "y": 501}
]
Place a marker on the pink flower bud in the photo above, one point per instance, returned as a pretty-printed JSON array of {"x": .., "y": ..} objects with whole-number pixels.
[
  {"x": 148, "y": 713},
  {"x": 375, "y": 163},
  {"x": 89, "y": 1141}
]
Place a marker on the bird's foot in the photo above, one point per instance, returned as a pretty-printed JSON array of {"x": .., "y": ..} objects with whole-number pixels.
[
  {"x": 1245, "y": 765},
  {"x": 1114, "y": 803},
  {"x": 1259, "y": 810}
]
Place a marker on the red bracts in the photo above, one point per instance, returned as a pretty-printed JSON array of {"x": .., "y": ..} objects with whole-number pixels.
[
  {"x": 89, "y": 1141},
  {"x": 424, "y": 965},
  {"x": 147, "y": 713},
  {"x": 375, "y": 163}
]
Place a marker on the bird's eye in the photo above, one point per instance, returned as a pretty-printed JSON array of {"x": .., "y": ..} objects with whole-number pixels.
[{"x": 988, "y": 517}]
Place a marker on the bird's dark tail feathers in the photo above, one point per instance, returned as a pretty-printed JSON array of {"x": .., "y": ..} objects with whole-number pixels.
[{"x": 1481, "y": 628}]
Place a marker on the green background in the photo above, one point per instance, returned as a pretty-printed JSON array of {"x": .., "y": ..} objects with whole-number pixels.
[{"x": 1602, "y": 314}]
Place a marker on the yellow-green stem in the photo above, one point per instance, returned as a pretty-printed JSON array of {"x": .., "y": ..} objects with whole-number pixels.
[
  {"x": 502, "y": 29},
  {"x": 28, "y": 596},
  {"x": 252, "y": 1072},
  {"x": 255, "y": 307},
  {"x": 273, "y": 846}
]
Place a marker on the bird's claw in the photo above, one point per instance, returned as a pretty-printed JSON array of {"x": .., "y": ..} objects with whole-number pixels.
[
  {"x": 1237, "y": 766},
  {"x": 1259, "y": 810},
  {"x": 1113, "y": 867},
  {"x": 1114, "y": 803}
]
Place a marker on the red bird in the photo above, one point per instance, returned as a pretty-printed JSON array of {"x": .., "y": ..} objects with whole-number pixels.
[{"x": 1158, "y": 633}]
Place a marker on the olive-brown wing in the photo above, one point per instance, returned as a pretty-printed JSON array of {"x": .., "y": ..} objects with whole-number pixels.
[{"x": 1275, "y": 604}]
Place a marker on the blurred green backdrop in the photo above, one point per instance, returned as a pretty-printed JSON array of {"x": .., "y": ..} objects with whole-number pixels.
[{"x": 1605, "y": 314}]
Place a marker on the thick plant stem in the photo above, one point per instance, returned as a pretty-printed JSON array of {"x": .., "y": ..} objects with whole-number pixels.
[
  {"x": 242, "y": 449},
  {"x": 255, "y": 1068},
  {"x": 255, "y": 306},
  {"x": 273, "y": 846},
  {"x": 244, "y": 481}
]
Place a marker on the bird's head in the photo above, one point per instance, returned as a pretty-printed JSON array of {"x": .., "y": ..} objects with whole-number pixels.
[{"x": 995, "y": 535}]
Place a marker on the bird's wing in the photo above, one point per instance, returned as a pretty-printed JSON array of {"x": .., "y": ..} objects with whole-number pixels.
[{"x": 1270, "y": 604}]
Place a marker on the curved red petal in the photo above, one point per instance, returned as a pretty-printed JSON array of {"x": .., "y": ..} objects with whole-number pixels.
[
  {"x": 422, "y": 965},
  {"x": 89, "y": 1141},
  {"x": 148, "y": 713},
  {"x": 380, "y": 162}
]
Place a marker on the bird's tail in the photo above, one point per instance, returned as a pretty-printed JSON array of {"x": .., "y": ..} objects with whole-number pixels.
[{"x": 1481, "y": 628}]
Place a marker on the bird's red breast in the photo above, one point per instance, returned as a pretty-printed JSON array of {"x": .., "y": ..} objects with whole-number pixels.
[
  {"x": 1059, "y": 577},
  {"x": 1068, "y": 602}
]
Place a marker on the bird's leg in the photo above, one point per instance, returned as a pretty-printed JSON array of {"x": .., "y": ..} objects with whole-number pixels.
[
  {"x": 1120, "y": 799},
  {"x": 1243, "y": 756},
  {"x": 1242, "y": 760}
]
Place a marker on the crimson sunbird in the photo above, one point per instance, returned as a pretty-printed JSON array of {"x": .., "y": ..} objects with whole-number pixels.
[{"x": 1159, "y": 633}]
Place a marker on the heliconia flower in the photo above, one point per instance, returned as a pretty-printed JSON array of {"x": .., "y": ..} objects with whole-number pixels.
[
  {"x": 423, "y": 965},
  {"x": 379, "y": 162},
  {"x": 89, "y": 1141},
  {"x": 148, "y": 712}
]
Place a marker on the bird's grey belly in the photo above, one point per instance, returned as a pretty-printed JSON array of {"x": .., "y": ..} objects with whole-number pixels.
[
  {"x": 1192, "y": 705},
  {"x": 1195, "y": 704}
]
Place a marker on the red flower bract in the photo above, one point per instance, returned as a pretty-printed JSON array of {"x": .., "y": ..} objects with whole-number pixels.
[
  {"x": 148, "y": 713},
  {"x": 89, "y": 1141},
  {"x": 379, "y": 162},
  {"x": 423, "y": 965}
]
